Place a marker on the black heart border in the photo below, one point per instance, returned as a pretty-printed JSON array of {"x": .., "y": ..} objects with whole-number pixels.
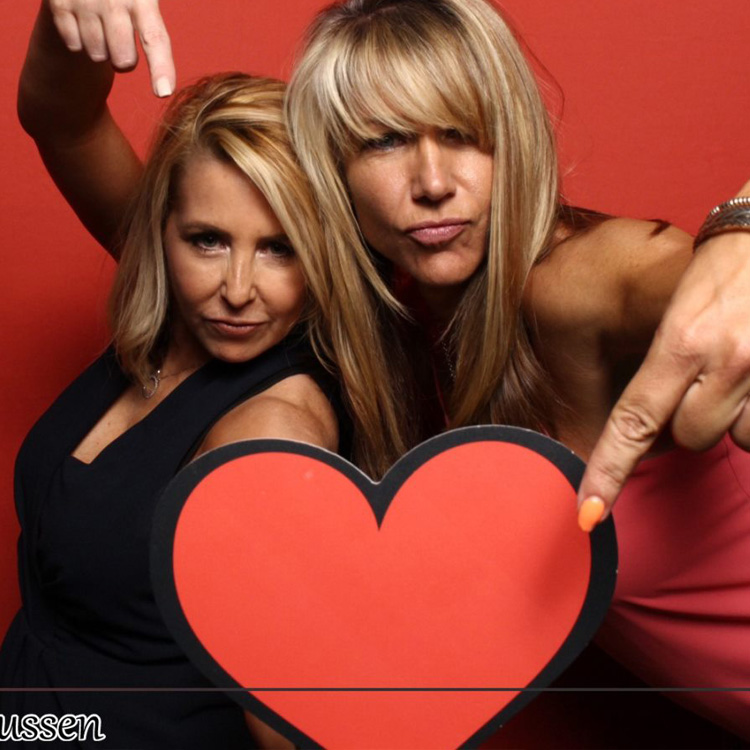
[{"x": 379, "y": 495}]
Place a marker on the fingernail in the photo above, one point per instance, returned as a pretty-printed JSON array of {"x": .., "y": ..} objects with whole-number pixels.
[
  {"x": 163, "y": 87},
  {"x": 590, "y": 513}
]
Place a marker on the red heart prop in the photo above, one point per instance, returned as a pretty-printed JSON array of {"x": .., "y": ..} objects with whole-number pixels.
[{"x": 406, "y": 614}]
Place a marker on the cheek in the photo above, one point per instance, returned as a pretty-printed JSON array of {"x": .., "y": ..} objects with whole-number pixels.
[
  {"x": 189, "y": 281},
  {"x": 484, "y": 172},
  {"x": 288, "y": 293},
  {"x": 377, "y": 217},
  {"x": 372, "y": 192}
]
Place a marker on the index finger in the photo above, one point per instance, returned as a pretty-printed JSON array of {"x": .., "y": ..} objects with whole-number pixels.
[
  {"x": 641, "y": 413},
  {"x": 156, "y": 46}
]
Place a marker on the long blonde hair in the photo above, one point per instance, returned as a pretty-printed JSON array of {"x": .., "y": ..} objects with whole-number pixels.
[
  {"x": 239, "y": 119},
  {"x": 370, "y": 65}
]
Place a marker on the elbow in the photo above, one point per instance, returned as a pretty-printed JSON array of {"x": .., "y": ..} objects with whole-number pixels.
[{"x": 28, "y": 108}]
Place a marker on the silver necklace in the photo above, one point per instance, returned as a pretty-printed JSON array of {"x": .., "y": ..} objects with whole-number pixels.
[
  {"x": 449, "y": 361},
  {"x": 155, "y": 379}
]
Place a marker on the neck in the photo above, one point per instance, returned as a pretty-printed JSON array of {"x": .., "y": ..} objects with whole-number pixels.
[
  {"x": 183, "y": 354},
  {"x": 441, "y": 301}
]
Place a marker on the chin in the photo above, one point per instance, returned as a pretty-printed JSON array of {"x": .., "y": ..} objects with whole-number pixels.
[
  {"x": 238, "y": 352},
  {"x": 446, "y": 273},
  {"x": 236, "y": 355},
  {"x": 446, "y": 269}
]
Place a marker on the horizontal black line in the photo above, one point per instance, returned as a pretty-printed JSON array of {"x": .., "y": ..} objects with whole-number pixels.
[{"x": 384, "y": 690}]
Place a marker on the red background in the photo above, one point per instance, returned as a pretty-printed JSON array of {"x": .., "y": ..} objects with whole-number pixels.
[{"x": 655, "y": 96}]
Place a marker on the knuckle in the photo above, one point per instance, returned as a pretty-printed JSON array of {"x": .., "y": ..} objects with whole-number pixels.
[
  {"x": 123, "y": 59},
  {"x": 691, "y": 342},
  {"x": 685, "y": 342},
  {"x": 59, "y": 6},
  {"x": 154, "y": 35},
  {"x": 634, "y": 426},
  {"x": 86, "y": 7}
]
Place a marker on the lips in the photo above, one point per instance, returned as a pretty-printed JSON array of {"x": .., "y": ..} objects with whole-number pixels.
[
  {"x": 437, "y": 232},
  {"x": 234, "y": 328}
]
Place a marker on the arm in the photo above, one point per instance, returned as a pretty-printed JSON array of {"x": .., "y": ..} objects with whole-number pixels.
[
  {"x": 62, "y": 98},
  {"x": 696, "y": 373},
  {"x": 294, "y": 409}
]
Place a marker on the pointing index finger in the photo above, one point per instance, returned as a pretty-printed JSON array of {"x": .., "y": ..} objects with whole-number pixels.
[
  {"x": 643, "y": 410},
  {"x": 156, "y": 46}
]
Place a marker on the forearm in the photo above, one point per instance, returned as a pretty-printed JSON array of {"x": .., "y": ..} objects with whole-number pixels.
[
  {"x": 62, "y": 104},
  {"x": 62, "y": 95}
]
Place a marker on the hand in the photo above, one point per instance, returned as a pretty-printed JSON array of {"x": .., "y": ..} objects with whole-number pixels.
[
  {"x": 696, "y": 373},
  {"x": 106, "y": 30}
]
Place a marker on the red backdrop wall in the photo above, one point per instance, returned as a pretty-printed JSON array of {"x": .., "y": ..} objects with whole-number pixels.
[{"x": 652, "y": 124}]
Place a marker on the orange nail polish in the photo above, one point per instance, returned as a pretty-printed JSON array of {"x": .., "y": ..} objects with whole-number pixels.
[{"x": 590, "y": 513}]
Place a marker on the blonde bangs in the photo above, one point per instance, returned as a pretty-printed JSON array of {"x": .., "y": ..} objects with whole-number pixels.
[{"x": 370, "y": 86}]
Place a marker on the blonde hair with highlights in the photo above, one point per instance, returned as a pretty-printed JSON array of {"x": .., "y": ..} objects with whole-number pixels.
[
  {"x": 407, "y": 65},
  {"x": 238, "y": 119}
]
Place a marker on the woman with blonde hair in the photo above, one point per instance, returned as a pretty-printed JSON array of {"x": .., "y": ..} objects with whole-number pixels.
[
  {"x": 432, "y": 158},
  {"x": 464, "y": 291},
  {"x": 431, "y": 155},
  {"x": 221, "y": 283}
]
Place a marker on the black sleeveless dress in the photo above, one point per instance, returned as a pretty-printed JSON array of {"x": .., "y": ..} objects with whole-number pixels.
[{"x": 89, "y": 621}]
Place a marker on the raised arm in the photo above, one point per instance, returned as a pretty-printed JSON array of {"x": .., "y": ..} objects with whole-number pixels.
[
  {"x": 696, "y": 373},
  {"x": 62, "y": 103}
]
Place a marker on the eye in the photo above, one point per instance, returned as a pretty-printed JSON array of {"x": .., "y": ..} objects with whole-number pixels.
[
  {"x": 385, "y": 142},
  {"x": 280, "y": 249},
  {"x": 207, "y": 241},
  {"x": 454, "y": 135}
]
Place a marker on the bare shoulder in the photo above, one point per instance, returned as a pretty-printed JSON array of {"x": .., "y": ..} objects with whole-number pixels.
[
  {"x": 292, "y": 409},
  {"x": 592, "y": 278},
  {"x": 632, "y": 240},
  {"x": 620, "y": 244}
]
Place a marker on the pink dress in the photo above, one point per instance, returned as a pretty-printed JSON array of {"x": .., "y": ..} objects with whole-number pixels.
[{"x": 681, "y": 611}]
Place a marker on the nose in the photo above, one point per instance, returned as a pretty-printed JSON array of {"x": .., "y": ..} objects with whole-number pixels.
[
  {"x": 433, "y": 178},
  {"x": 239, "y": 284}
]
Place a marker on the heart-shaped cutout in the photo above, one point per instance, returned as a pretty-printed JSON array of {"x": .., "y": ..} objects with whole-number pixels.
[{"x": 422, "y": 611}]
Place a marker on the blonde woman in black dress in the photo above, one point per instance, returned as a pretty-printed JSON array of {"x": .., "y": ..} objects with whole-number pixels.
[{"x": 216, "y": 297}]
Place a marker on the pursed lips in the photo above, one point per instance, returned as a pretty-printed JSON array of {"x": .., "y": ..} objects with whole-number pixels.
[{"x": 437, "y": 232}]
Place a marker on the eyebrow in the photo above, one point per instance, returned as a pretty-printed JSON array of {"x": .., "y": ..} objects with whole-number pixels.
[
  {"x": 199, "y": 226},
  {"x": 282, "y": 237}
]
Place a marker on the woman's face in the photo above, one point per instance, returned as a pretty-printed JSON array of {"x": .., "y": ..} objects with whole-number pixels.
[
  {"x": 236, "y": 284},
  {"x": 423, "y": 202}
]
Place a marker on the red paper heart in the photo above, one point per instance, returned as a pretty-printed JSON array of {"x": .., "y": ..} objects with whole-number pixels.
[{"x": 417, "y": 632}]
